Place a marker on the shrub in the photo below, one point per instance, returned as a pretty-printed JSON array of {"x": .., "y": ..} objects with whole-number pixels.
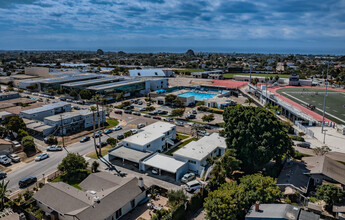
[
  {"x": 296, "y": 138},
  {"x": 301, "y": 134}
]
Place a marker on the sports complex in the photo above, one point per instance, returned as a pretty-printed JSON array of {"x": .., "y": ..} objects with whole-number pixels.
[{"x": 311, "y": 101}]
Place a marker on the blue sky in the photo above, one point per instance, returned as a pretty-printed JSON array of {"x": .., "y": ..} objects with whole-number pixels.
[{"x": 108, "y": 24}]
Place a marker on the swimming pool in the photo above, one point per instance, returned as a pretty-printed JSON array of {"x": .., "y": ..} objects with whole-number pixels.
[{"x": 199, "y": 96}]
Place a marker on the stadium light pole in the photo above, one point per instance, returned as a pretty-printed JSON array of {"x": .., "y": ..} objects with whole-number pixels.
[
  {"x": 324, "y": 100},
  {"x": 266, "y": 84},
  {"x": 250, "y": 75}
]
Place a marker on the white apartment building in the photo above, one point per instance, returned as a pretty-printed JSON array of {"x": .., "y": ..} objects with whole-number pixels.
[
  {"x": 196, "y": 152},
  {"x": 155, "y": 137}
]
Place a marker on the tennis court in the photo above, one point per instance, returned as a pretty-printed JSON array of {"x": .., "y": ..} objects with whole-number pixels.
[{"x": 335, "y": 101}]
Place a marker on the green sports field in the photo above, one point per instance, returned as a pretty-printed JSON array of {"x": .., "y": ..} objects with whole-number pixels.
[{"x": 335, "y": 101}]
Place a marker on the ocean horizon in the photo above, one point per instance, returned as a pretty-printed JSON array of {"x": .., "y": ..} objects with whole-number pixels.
[{"x": 244, "y": 50}]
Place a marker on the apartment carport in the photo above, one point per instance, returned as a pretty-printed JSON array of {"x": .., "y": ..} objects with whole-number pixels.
[
  {"x": 166, "y": 165},
  {"x": 128, "y": 155}
]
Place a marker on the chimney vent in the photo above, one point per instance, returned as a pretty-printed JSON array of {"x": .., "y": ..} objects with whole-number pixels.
[
  {"x": 141, "y": 182},
  {"x": 257, "y": 206}
]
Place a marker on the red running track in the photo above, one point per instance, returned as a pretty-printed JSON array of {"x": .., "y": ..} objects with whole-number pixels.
[{"x": 302, "y": 108}]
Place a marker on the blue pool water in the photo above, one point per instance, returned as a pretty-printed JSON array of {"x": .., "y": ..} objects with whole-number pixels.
[{"x": 197, "y": 95}]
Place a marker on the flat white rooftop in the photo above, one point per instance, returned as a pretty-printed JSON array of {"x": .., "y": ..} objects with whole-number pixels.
[
  {"x": 150, "y": 133},
  {"x": 164, "y": 162},
  {"x": 129, "y": 154},
  {"x": 200, "y": 149}
]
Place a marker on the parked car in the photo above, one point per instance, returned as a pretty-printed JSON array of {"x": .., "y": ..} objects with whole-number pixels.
[
  {"x": 27, "y": 181},
  {"x": 148, "y": 104},
  {"x": 42, "y": 156},
  {"x": 76, "y": 107},
  {"x": 140, "y": 126},
  {"x": 304, "y": 144},
  {"x": 4, "y": 160},
  {"x": 190, "y": 116},
  {"x": 62, "y": 99},
  {"x": 147, "y": 116},
  {"x": 155, "y": 171},
  {"x": 129, "y": 107},
  {"x": 142, "y": 109},
  {"x": 84, "y": 139},
  {"x": 54, "y": 148},
  {"x": 161, "y": 112},
  {"x": 108, "y": 131},
  {"x": 117, "y": 128},
  {"x": 69, "y": 100},
  {"x": 203, "y": 133},
  {"x": 134, "y": 131},
  {"x": 14, "y": 157},
  {"x": 97, "y": 134},
  {"x": 168, "y": 119},
  {"x": 207, "y": 126},
  {"x": 137, "y": 113},
  {"x": 3, "y": 175},
  {"x": 179, "y": 123},
  {"x": 128, "y": 111},
  {"x": 194, "y": 112},
  {"x": 156, "y": 117},
  {"x": 102, "y": 144},
  {"x": 193, "y": 186},
  {"x": 140, "y": 102},
  {"x": 118, "y": 112},
  {"x": 120, "y": 137},
  {"x": 188, "y": 177}
]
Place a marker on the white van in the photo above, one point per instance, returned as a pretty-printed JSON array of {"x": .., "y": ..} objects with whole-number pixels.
[{"x": 193, "y": 185}]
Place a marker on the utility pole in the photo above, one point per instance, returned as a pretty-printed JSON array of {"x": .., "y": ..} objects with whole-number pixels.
[
  {"x": 62, "y": 135},
  {"x": 324, "y": 100}
]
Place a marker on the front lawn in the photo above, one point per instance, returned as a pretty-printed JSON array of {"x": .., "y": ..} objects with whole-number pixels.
[
  {"x": 182, "y": 136},
  {"x": 111, "y": 122},
  {"x": 74, "y": 179},
  {"x": 104, "y": 152},
  {"x": 170, "y": 152}
]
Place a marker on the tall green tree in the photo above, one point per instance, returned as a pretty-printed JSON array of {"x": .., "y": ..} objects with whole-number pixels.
[
  {"x": 232, "y": 200},
  {"x": 29, "y": 145},
  {"x": 14, "y": 123},
  {"x": 178, "y": 112},
  {"x": 85, "y": 94},
  {"x": 330, "y": 194},
  {"x": 21, "y": 134},
  {"x": 256, "y": 135},
  {"x": 72, "y": 163}
]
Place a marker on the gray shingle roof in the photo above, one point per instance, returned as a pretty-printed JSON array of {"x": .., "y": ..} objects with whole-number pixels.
[
  {"x": 326, "y": 166},
  {"x": 112, "y": 191}
]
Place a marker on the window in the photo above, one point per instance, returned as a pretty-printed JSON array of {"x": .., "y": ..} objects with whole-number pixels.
[
  {"x": 163, "y": 138},
  {"x": 156, "y": 73},
  {"x": 133, "y": 203},
  {"x": 149, "y": 145},
  {"x": 118, "y": 213},
  {"x": 192, "y": 161}
]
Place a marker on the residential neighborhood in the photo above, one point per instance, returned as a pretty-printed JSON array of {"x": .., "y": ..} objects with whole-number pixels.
[{"x": 172, "y": 110}]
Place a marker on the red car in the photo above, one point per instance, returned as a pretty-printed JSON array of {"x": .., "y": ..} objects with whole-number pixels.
[
  {"x": 118, "y": 112},
  {"x": 156, "y": 117}
]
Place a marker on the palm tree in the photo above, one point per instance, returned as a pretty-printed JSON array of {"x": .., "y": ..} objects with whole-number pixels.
[
  {"x": 3, "y": 191},
  {"x": 98, "y": 99},
  {"x": 249, "y": 101},
  {"x": 93, "y": 109}
]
